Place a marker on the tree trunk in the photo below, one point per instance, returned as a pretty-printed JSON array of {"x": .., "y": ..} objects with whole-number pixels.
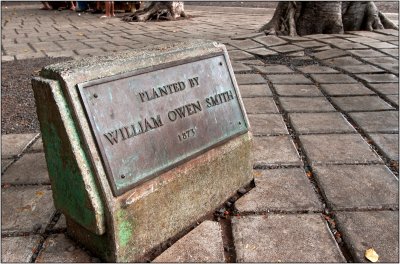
[
  {"x": 170, "y": 10},
  {"x": 304, "y": 18}
]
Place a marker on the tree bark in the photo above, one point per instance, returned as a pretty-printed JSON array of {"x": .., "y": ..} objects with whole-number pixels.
[
  {"x": 169, "y": 10},
  {"x": 313, "y": 17}
]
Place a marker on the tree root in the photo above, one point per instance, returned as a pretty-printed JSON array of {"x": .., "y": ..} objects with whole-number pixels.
[{"x": 170, "y": 10}]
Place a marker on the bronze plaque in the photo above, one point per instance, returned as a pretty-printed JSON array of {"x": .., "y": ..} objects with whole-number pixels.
[{"x": 148, "y": 121}]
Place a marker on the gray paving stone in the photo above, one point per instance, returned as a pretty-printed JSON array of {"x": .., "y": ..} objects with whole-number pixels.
[
  {"x": 261, "y": 51},
  {"x": 18, "y": 249},
  {"x": 289, "y": 79},
  {"x": 305, "y": 123},
  {"x": 346, "y": 89},
  {"x": 61, "y": 223},
  {"x": 343, "y": 61},
  {"x": 24, "y": 207},
  {"x": 310, "y": 44},
  {"x": 253, "y": 62},
  {"x": 389, "y": 143},
  {"x": 13, "y": 144},
  {"x": 361, "y": 68},
  {"x": 270, "y": 40},
  {"x": 381, "y": 45},
  {"x": 295, "y": 38},
  {"x": 379, "y": 78},
  {"x": 202, "y": 244},
  {"x": 384, "y": 60},
  {"x": 386, "y": 88},
  {"x": 31, "y": 55},
  {"x": 305, "y": 104},
  {"x": 364, "y": 230},
  {"x": 367, "y": 53},
  {"x": 254, "y": 90},
  {"x": 273, "y": 69},
  {"x": 5, "y": 163},
  {"x": 239, "y": 55},
  {"x": 316, "y": 69},
  {"x": 239, "y": 67},
  {"x": 249, "y": 78},
  {"x": 297, "y": 90},
  {"x": 358, "y": 186},
  {"x": 58, "y": 248},
  {"x": 58, "y": 54},
  {"x": 29, "y": 169},
  {"x": 277, "y": 150},
  {"x": 280, "y": 190},
  {"x": 37, "y": 146},
  {"x": 391, "y": 68},
  {"x": 7, "y": 58},
  {"x": 336, "y": 148},
  {"x": 260, "y": 105},
  {"x": 267, "y": 124},
  {"x": 333, "y": 78},
  {"x": 392, "y": 52},
  {"x": 287, "y": 48},
  {"x": 349, "y": 45},
  {"x": 387, "y": 121},
  {"x": 393, "y": 98},
  {"x": 332, "y": 53},
  {"x": 361, "y": 103},
  {"x": 245, "y": 44},
  {"x": 284, "y": 238}
]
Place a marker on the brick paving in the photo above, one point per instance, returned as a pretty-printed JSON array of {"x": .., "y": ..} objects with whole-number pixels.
[{"x": 323, "y": 111}]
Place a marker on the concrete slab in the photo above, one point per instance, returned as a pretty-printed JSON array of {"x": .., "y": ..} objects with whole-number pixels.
[
  {"x": 286, "y": 190},
  {"x": 346, "y": 89},
  {"x": 305, "y": 123},
  {"x": 343, "y": 61},
  {"x": 327, "y": 54},
  {"x": 260, "y": 105},
  {"x": 364, "y": 230},
  {"x": 393, "y": 98},
  {"x": 273, "y": 69},
  {"x": 358, "y": 186},
  {"x": 202, "y": 244},
  {"x": 385, "y": 121},
  {"x": 239, "y": 55},
  {"x": 254, "y": 90},
  {"x": 367, "y": 53},
  {"x": 261, "y": 51},
  {"x": 297, "y": 90},
  {"x": 240, "y": 67},
  {"x": 249, "y": 79},
  {"x": 245, "y": 44},
  {"x": 379, "y": 78},
  {"x": 270, "y": 40},
  {"x": 287, "y": 48},
  {"x": 267, "y": 124},
  {"x": 386, "y": 88},
  {"x": 289, "y": 79},
  {"x": 361, "y": 68},
  {"x": 389, "y": 143},
  {"x": 59, "y": 248},
  {"x": 277, "y": 150},
  {"x": 26, "y": 209},
  {"x": 361, "y": 103},
  {"x": 18, "y": 249},
  {"x": 29, "y": 169},
  {"x": 37, "y": 146},
  {"x": 334, "y": 149},
  {"x": 333, "y": 78},
  {"x": 13, "y": 144},
  {"x": 305, "y": 104},
  {"x": 316, "y": 69},
  {"x": 284, "y": 238}
]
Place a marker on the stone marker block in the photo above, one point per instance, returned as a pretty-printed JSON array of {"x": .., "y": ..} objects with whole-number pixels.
[
  {"x": 202, "y": 244},
  {"x": 111, "y": 207},
  {"x": 284, "y": 238},
  {"x": 13, "y": 144},
  {"x": 29, "y": 169},
  {"x": 280, "y": 190},
  {"x": 18, "y": 249},
  {"x": 358, "y": 186},
  {"x": 378, "y": 230},
  {"x": 58, "y": 248},
  {"x": 26, "y": 209}
]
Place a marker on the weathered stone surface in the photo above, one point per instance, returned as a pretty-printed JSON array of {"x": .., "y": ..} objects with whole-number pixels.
[
  {"x": 316, "y": 69},
  {"x": 386, "y": 88},
  {"x": 367, "y": 53},
  {"x": 278, "y": 150},
  {"x": 273, "y": 69},
  {"x": 267, "y": 124},
  {"x": 333, "y": 148},
  {"x": 361, "y": 103},
  {"x": 343, "y": 61},
  {"x": 287, "y": 48},
  {"x": 29, "y": 169},
  {"x": 379, "y": 78},
  {"x": 260, "y": 105},
  {"x": 389, "y": 143},
  {"x": 377, "y": 230},
  {"x": 270, "y": 40},
  {"x": 361, "y": 68},
  {"x": 13, "y": 144},
  {"x": 37, "y": 146},
  {"x": 26, "y": 207},
  {"x": 310, "y": 44},
  {"x": 280, "y": 190},
  {"x": 202, "y": 244},
  {"x": 284, "y": 238},
  {"x": 5, "y": 163},
  {"x": 249, "y": 79},
  {"x": 327, "y": 54},
  {"x": 358, "y": 186},
  {"x": 320, "y": 123},
  {"x": 381, "y": 45},
  {"x": 289, "y": 79},
  {"x": 240, "y": 67},
  {"x": 262, "y": 51},
  {"x": 18, "y": 249},
  {"x": 61, "y": 223},
  {"x": 346, "y": 89},
  {"x": 254, "y": 90},
  {"x": 245, "y": 44},
  {"x": 58, "y": 248},
  {"x": 297, "y": 90},
  {"x": 239, "y": 55},
  {"x": 387, "y": 121},
  {"x": 393, "y": 98},
  {"x": 333, "y": 78},
  {"x": 305, "y": 104}
]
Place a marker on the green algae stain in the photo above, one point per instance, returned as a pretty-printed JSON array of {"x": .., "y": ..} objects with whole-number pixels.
[{"x": 124, "y": 228}]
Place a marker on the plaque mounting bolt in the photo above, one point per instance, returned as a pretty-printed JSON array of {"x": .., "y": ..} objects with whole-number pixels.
[
  {"x": 95, "y": 95},
  {"x": 220, "y": 63},
  {"x": 123, "y": 176}
]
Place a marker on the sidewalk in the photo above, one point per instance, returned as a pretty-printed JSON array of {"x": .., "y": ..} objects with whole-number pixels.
[{"x": 324, "y": 115}]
